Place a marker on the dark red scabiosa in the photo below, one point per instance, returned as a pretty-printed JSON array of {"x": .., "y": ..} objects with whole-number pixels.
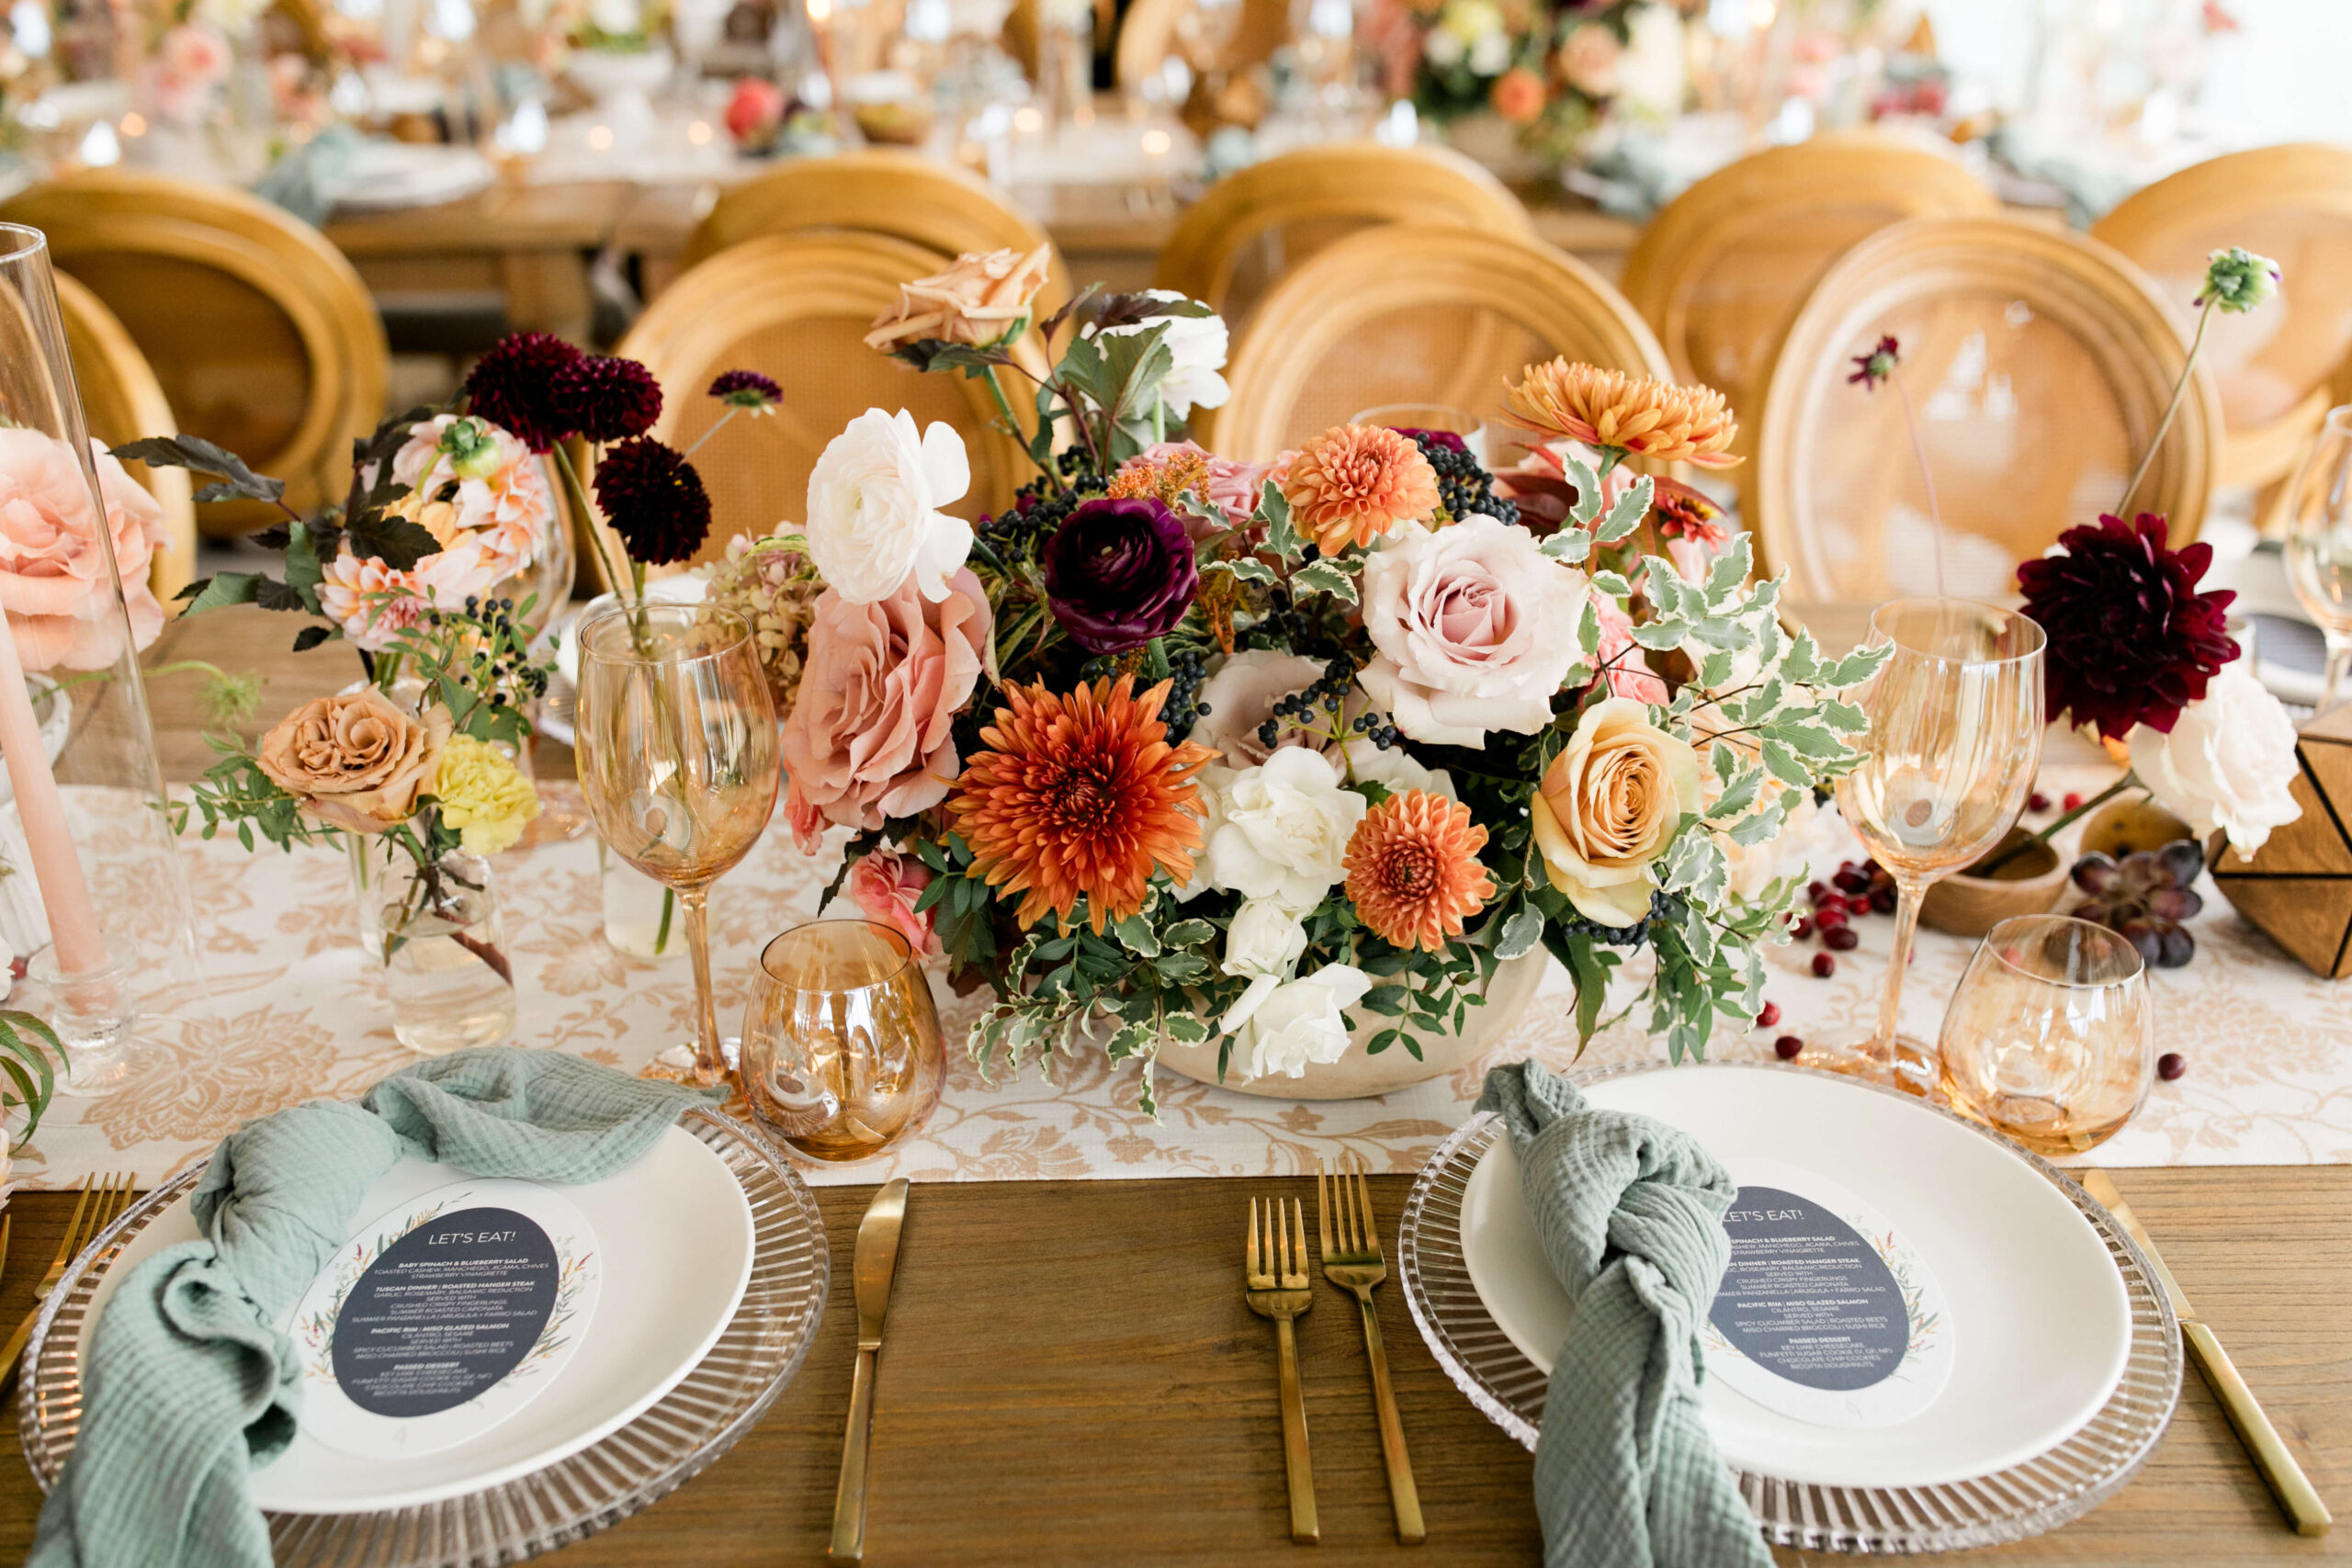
[
  {"x": 2130, "y": 641},
  {"x": 608, "y": 400},
  {"x": 514, "y": 386},
  {"x": 1119, "y": 573},
  {"x": 747, "y": 389},
  {"x": 654, "y": 500}
]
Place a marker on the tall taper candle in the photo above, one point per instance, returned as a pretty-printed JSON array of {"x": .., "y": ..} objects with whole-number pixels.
[{"x": 73, "y": 919}]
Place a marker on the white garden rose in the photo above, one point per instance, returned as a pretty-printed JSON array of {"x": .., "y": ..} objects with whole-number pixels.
[
  {"x": 1390, "y": 766},
  {"x": 1196, "y": 351},
  {"x": 1262, "y": 945},
  {"x": 1475, "y": 630},
  {"x": 1212, "y": 782},
  {"x": 1284, "y": 835},
  {"x": 874, "y": 501},
  {"x": 1301, "y": 1022},
  {"x": 2228, "y": 764}
]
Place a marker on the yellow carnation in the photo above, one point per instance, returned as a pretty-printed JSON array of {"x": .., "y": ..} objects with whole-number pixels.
[{"x": 483, "y": 795}]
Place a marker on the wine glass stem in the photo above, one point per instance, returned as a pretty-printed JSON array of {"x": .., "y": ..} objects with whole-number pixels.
[
  {"x": 710, "y": 1067},
  {"x": 2339, "y": 655},
  {"x": 1907, "y": 894}
]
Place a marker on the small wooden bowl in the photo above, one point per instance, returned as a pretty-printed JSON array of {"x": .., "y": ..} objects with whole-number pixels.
[
  {"x": 1965, "y": 904},
  {"x": 2122, "y": 826}
]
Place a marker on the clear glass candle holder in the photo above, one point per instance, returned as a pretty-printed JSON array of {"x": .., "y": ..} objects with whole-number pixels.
[
  {"x": 93, "y": 1012},
  {"x": 2051, "y": 1035},
  {"x": 841, "y": 1051}
]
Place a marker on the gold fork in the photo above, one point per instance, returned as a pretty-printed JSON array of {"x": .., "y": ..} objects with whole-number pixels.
[
  {"x": 1353, "y": 1261},
  {"x": 113, "y": 1196},
  {"x": 1276, "y": 1289}
]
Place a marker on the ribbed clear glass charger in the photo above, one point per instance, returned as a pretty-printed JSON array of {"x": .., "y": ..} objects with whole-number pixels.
[
  {"x": 2042, "y": 1494},
  {"x": 731, "y": 1388}
]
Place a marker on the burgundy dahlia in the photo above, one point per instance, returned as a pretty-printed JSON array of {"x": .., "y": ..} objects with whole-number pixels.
[
  {"x": 608, "y": 400},
  {"x": 2130, "y": 641},
  {"x": 514, "y": 386},
  {"x": 1119, "y": 573},
  {"x": 747, "y": 389},
  {"x": 654, "y": 500}
]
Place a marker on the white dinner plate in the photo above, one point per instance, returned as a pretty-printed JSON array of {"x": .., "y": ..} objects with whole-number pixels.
[
  {"x": 677, "y": 1237},
  {"x": 2041, "y": 1320}
]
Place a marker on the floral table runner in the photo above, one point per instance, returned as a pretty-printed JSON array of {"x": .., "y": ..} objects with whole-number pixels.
[{"x": 297, "y": 1012}]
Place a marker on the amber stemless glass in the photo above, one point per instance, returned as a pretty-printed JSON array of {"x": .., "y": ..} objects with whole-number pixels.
[
  {"x": 2319, "y": 544},
  {"x": 841, "y": 1041},
  {"x": 1954, "y": 737},
  {"x": 2050, "y": 1037},
  {"x": 677, "y": 757}
]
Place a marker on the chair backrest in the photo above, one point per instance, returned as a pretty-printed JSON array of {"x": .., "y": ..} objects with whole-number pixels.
[
  {"x": 1254, "y": 225},
  {"x": 902, "y": 196},
  {"x": 121, "y": 400},
  {"x": 2039, "y": 364},
  {"x": 2272, "y": 366},
  {"x": 1422, "y": 313},
  {"x": 1720, "y": 271},
  {"x": 797, "y": 308},
  {"x": 260, "y": 333}
]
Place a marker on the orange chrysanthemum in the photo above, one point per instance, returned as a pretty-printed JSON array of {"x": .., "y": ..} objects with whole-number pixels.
[
  {"x": 1630, "y": 413},
  {"x": 1413, "y": 869},
  {"x": 1355, "y": 482},
  {"x": 1080, "y": 795}
]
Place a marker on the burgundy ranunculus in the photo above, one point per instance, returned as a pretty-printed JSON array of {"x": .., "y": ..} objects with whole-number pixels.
[
  {"x": 2131, "y": 641},
  {"x": 1119, "y": 573}
]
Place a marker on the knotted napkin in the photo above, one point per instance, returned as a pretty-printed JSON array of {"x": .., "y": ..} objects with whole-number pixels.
[
  {"x": 189, "y": 1386},
  {"x": 1630, "y": 1212}
]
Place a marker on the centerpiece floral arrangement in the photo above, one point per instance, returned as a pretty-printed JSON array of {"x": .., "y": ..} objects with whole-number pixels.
[{"x": 1186, "y": 748}]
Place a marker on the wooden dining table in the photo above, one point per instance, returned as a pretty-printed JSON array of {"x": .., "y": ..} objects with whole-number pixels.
[{"x": 1070, "y": 1376}]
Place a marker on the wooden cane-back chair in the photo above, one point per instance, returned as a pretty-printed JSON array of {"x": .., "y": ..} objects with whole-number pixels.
[
  {"x": 900, "y": 195},
  {"x": 2271, "y": 365},
  {"x": 1256, "y": 224},
  {"x": 259, "y": 331},
  {"x": 797, "y": 308},
  {"x": 121, "y": 400},
  {"x": 2039, "y": 364},
  {"x": 1350, "y": 330}
]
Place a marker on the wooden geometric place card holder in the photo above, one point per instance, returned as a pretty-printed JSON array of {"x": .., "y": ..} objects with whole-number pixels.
[{"x": 2298, "y": 888}]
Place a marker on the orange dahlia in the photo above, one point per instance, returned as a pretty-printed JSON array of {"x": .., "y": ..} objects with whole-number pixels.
[
  {"x": 1356, "y": 481},
  {"x": 1413, "y": 869},
  {"x": 1080, "y": 795},
  {"x": 1613, "y": 411}
]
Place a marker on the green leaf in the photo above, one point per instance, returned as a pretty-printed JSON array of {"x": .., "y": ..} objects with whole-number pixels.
[
  {"x": 1246, "y": 569},
  {"x": 397, "y": 542},
  {"x": 1185, "y": 1028},
  {"x": 1136, "y": 934},
  {"x": 224, "y": 589},
  {"x": 1274, "y": 510},
  {"x": 1182, "y": 967},
  {"x": 193, "y": 452},
  {"x": 302, "y": 571},
  {"x": 1627, "y": 514},
  {"x": 1324, "y": 577},
  {"x": 309, "y": 638},
  {"x": 1568, "y": 544},
  {"x": 1587, "y": 483},
  {"x": 1187, "y": 934},
  {"x": 1521, "y": 933}
]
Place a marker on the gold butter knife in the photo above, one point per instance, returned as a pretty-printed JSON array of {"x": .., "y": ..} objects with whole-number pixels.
[
  {"x": 2298, "y": 1499},
  {"x": 877, "y": 1257}
]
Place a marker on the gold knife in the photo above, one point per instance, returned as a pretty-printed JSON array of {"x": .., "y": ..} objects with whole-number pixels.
[
  {"x": 876, "y": 1256},
  {"x": 2298, "y": 1499}
]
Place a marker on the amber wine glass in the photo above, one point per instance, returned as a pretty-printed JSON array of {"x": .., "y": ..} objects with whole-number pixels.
[
  {"x": 841, "y": 1041},
  {"x": 677, "y": 758},
  {"x": 1954, "y": 737},
  {"x": 2319, "y": 544},
  {"x": 2050, "y": 1037}
]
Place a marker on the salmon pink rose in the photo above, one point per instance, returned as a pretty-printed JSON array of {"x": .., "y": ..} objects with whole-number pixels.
[
  {"x": 54, "y": 580},
  {"x": 887, "y": 885}
]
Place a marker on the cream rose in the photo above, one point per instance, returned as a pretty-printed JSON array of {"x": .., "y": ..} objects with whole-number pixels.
[
  {"x": 2228, "y": 764},
  {"x": 873, "y": 508},
  {"x": 1302, "y": 1022},
  {"x": 357, "y": 760},
  {"x": 1474, "y": 627},
  {"x": 1285, "y": 829},
  {"x": 1609, "y": 805},
  {"x": 1196, "y": 350}
]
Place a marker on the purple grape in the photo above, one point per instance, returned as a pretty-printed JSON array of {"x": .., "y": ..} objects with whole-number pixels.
[
  {"x": 2097, "y": 872},
  {"x": 2175, "y": 946},
  {"x": 2184, "y": 859},
  {"x": 2174, "y": 903}
]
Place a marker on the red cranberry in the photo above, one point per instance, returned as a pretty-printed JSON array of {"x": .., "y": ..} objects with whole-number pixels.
[
  {"x": 1787, "y": 1046},
  {"x": 1883, "y": 899},
  {"x": 1852, "y": 879},
  {"x": 2074, "y": 801},
  {"x": 2036, "y": 801},
  {"x": 1769, "y": 1016},
  {"x": 1842, "y": 939},
  {"x": 1824, "y": 964},
  {"x": 1803, "y": 928},
  {"x": 2170, "y": 1066},
  {"x": 1830, "y": 919},
  {"x": 1817, "y": 891}
]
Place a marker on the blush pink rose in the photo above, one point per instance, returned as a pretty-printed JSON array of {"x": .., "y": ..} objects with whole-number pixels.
[
  {"x": 885, "y": 885},
  {"x": 1234, "y": 487},
  {"x": 1629, "y": 672},
  {"x": 868, "y": 735},
  {"x": 1474, "y": 627},
  {"x": 53, "y": 573}
]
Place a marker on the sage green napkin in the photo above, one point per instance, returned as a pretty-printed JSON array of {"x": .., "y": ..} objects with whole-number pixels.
[
  {"x": 189, "y": 1385},
  {"x": 1629, "y": 1212}
]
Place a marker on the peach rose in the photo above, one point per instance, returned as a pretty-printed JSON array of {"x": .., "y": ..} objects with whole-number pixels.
[
  {"x": 1608, "y": 806},
  {"x": 868, "y": 735},
  {"x": 357, "y": 760},
  {"x": 885, "y": 885},
  {"x": 52, "y": 573},
  {"x": 980, "y": 300},
  {"x": 1587, "y": 59}
]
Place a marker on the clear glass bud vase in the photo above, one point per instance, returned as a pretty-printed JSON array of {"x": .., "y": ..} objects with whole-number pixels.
[{"x": 436, "y": 929}]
